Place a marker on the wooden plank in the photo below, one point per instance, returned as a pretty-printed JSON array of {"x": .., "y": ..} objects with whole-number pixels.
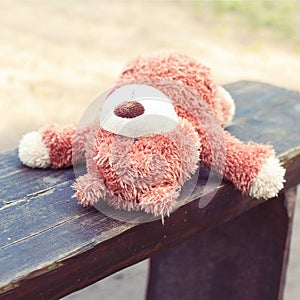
[
  {"x": 266, "y": 114},
  {"x": 50, "y": 246},
  {"x": 245, "y": 258},
  {"x": 18, "y": 181}
]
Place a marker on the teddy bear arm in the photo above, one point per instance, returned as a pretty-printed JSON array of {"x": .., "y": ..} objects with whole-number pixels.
[
  {"x": 252, "y": 168},
  {"x": 52, "y": 146}
]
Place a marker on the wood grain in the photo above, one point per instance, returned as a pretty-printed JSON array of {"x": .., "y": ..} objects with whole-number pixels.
[
  {"x": 50, "y": 246},
  {"x": 245, "y": 258}
]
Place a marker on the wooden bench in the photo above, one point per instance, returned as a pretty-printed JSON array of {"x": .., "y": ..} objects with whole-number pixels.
[{"x": 234, "y": 248}]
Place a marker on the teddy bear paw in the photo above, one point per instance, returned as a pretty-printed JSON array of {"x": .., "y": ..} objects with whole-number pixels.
[
  {"x": 269, "y": 180},
  {"x": 33, "y": 152},
  {"x": 160, "y": 201}
]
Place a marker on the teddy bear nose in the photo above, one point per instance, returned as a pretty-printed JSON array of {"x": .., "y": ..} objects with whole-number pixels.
[{"x": 129, "y": 109}]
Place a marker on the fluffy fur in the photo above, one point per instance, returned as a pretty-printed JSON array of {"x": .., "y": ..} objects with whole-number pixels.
[
  {"x": 134, "y": 171},
  {"x": 146, "y": 171},
  {"x": 33, "y": 152}
]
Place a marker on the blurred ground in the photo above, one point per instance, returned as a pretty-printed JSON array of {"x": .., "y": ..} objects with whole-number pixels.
[{"x": 57, "y": 56}]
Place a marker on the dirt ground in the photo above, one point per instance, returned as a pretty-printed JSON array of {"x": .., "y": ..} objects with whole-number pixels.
[{"x": 56, "y": 56}]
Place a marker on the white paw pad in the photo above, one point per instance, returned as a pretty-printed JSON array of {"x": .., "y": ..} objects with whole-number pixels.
[
  {"x": 269, "y": 180},
  {"x": 33, "y": 152}
]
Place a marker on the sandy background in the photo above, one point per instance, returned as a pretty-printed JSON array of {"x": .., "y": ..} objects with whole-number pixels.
[{"x": 57, "y": 56}]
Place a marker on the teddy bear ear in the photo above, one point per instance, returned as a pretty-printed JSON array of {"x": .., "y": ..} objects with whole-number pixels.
[{"x": 136, "y": 110}]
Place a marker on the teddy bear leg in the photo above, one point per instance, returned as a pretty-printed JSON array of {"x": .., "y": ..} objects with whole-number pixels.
[
  {"x": 159, "y": 201},
  {"x": 89, "y": 189},
  {"x": 51, "y": 146}
]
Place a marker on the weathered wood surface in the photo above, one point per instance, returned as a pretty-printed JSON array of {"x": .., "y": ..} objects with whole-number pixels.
[
  {"x": 245, "y": 258},
  {"x": 50, "y": 246}
]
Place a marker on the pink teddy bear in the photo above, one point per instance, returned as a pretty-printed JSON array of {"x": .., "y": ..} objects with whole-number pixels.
[{"x": 141, "y": 151}]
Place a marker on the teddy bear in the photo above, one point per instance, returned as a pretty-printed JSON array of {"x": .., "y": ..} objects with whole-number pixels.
[{"x": 164, "y": 117}]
